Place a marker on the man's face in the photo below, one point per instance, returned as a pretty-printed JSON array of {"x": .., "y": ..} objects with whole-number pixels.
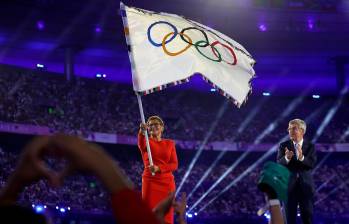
[{"x": 296, "y": 134}]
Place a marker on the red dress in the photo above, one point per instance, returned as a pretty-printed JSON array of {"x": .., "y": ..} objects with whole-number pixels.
[
  {"x": 156, "y": 188},
  {"x": 129, "y": 208}
]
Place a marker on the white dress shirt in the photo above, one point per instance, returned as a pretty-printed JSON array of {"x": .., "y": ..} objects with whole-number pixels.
[{"x": 294, "y": 144}]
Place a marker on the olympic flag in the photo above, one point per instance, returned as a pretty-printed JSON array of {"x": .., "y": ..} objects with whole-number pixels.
[{"x": 166, "y": 49}]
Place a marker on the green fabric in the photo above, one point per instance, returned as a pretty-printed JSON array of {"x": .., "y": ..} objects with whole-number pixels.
[{"x": 276, "y": 176}]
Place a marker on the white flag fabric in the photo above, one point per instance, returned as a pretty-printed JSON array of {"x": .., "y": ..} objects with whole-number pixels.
[{"x": 166, "y": 49}]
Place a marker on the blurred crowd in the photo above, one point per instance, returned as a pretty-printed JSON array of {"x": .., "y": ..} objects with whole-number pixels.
[
  {"x": 86, "y": 105},
  {"x": 86, "y": 194}
]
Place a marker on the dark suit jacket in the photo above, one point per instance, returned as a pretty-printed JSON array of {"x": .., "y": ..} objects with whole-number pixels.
[{"x": 299, "y": 169}]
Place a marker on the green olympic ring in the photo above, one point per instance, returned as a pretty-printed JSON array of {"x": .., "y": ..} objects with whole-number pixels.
[{"x": 199, "y": 44}]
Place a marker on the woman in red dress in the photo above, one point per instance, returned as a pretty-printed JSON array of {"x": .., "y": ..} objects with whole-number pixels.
[{"x": 156, "y": 188}]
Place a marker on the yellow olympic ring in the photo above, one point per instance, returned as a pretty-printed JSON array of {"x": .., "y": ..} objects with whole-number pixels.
[{"x": 179, "y": 52}]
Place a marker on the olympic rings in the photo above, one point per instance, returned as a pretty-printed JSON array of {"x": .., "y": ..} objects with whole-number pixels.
[
  {"x": 213, "y": 49},
  {"x": 194, "y": 28},
  {"x": 179, "y": 52},
  {"x": 151, "y": 26},
  {"x": 198, "y": 44},
  {"x": 226, "y": 46}
]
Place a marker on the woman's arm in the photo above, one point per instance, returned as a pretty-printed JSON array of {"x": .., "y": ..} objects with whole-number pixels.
[{"x": 172, "y": 165}]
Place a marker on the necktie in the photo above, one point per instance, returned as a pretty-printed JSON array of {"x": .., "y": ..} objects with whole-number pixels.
[{"x": 296, "y": 147}]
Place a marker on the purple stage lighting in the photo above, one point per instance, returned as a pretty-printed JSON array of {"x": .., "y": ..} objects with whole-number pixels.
[
  {"x": 40, "y": 25},
  {"x": 189, "y": 215},
  {"x": 262, "y": 27},
  {"x": 101, "y": 75},
  {"x": 310, "y": 24},
  {"x": 266, "y": 94},
  {"x": 39, "y": 209},
  {"x": 40, "y": 65},
  {"x": 98, "y": 29},
  {"x": 267, "y": 215}
]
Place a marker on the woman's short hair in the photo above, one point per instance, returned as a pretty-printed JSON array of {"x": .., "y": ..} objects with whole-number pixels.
[{"x": 156, "y": 118}]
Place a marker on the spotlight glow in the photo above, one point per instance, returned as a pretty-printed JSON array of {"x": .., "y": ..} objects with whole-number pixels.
[
  {"x": 246, "y": 172},
  {"x": 39, "y": 209},
  {"x": 310, "y": 24},
  {"x": 319, "y": 164},
  {"x": 262, "y": 27},
  {"x": 344, "y": 183},
  {"x": 98, "y": 29},
  {"x": 267, "y": 215},
  {"x": 330, "y": 114},
  {"x": 324, "y": 184},
  {"x": 40, "y": 25},
  {"x": 266, "y": 94},
  {"x": 199, "y": 151},
  {"x": 292, "y": 106},
  {"x": 253, "y": 166},
  {"x": 101, "y": 75},
  {"x": 242, "y": 127},
  {"x": 209, "y": 170}
]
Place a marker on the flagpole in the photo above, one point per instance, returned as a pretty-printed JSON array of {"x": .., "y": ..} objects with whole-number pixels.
[
  {"x": 125, "y": 23},
  {"x": 139, "y": 99}
]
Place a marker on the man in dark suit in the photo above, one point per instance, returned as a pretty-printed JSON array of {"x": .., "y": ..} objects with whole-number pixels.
[{"x": 299, "y": 156}]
